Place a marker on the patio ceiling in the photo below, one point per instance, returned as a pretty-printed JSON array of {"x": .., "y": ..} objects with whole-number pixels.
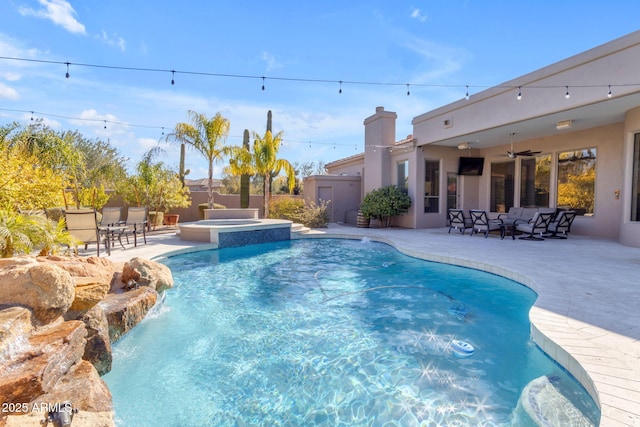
[{"x": 608, "y": 111}]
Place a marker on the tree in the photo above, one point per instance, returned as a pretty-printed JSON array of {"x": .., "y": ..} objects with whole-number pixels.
[
  {"x": 206, "y": 136},
  {"x": 267, "y": 163},
  {"x": 263, "y": 161},
  {"x": 155, "y": 186},
  {"x": 26, "y": 184},
  {"x": 383, "y": 203}
]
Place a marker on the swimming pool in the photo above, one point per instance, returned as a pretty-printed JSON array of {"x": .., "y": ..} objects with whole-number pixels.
[{"x": 330, "y": 332}]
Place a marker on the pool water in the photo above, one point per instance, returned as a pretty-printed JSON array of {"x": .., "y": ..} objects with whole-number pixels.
[{"x": 330, "y": 332}]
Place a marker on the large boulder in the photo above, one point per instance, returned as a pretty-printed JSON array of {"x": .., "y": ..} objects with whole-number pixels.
[
  {"x": 143, "y": 272},
  {"x": 126, "y": 310},
  {"x": 45, "y": 289},
  {"x": 47, "y": 356},
  {"x": 99, "y": 268},
  {"x": 98, "y": 347},
  {"x": 83, "y": 387},
  {"x": 89, "y": 292}
]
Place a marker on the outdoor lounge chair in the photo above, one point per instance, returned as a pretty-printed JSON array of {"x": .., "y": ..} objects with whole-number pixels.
[
  {"x": 458, "y": 221},
  {"x": 112, "y": 225},
  {"x": 136, "y": 224},
  {"x": 561, "y": 225},
  {"x": 111, "y": 216},
  {"x": 482, "y": 223},
  {"x": 537, "y": 226},
  {"x": 83, "y": 225}
]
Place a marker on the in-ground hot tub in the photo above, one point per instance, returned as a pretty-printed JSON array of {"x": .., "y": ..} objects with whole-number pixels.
[{"x": 226, "y": 233}]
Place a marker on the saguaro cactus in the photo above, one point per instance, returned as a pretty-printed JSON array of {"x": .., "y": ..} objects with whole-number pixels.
[
  {"x": 182, "y": 173},
  {"x": 244, "y": 178}
]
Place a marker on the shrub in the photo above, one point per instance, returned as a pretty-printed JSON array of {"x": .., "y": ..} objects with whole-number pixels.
[
  {"x": 314, "y": 215},
  {"x": 295, "y": 209},
  {"x": 385, "y": 202},
  {"x": 286, "y": 208}
]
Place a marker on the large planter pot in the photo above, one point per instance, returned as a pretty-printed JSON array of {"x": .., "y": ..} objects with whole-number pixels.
[
  {"x": 362, "y": 221},
  {"x": 171, "y": 219}
]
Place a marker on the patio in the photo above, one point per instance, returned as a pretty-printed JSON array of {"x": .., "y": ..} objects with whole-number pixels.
[{"x": 588, "y": 304}]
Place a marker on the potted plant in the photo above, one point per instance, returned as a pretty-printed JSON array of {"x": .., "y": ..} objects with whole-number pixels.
[{"x": 383, "y": 203}]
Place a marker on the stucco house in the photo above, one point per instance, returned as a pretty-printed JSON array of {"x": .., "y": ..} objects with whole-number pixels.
[{"x": 580, "y": 119}]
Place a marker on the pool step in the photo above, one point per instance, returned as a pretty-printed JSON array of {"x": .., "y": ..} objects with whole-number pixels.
[
  {"x": 297, "y": 229},
  {"x": 543, "y": 404}
]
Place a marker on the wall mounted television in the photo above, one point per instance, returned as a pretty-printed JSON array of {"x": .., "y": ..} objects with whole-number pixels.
[{"x": 470, "y": 166}]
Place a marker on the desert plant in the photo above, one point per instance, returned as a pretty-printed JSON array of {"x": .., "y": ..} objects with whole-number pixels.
[
  {"x": 22, "y": 234},
  {"x": 314, "y": 215},
  {"x": 384, "y": 203},
  {"x": 286, "y": 208}
]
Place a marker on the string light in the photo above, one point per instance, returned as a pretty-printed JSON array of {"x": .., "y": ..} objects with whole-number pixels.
[
  {"x": 519, "y": 97},
  {"x": 408, "y": 93},
  {"x": 566, "y": 94},
  {"x": 309, "y": 80},
  {"x": 173, "y": 74},
  {"x": 340, "y": 90},
  {"x": 609, "y": 94}
]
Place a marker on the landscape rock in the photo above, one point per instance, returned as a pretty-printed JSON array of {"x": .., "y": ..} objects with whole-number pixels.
[
  {"x": 100, "y": 269},
  {"x": 88, "y": 292},
  {"x": 144, "y": 272},
  {"x": 44, "y": 288},
  {"x": 15, "y": 326},
  {"x": 126, "y": 310},
  {"x": 98, "y": 348},
  {"x": 82, "y": 387},
  {"x": 47, "y": 357}
]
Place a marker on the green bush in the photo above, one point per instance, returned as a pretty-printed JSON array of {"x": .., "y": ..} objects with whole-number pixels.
[
  {"x": 286, "y": 208},
  {"x": 295, "y": 209},
  {"x": 385, "y": 202}
]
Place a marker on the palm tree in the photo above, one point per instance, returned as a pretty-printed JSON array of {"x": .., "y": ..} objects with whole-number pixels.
[
  {"x": 262, "y": 161},
  {"x": 206, "y": 136},
  {"x": 266, "y": 163}
]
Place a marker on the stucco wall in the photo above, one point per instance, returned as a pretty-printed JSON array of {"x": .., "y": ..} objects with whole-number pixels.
[{"x": 345, "y": 193}]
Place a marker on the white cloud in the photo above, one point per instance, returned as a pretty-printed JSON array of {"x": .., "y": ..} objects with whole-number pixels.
[
  {"x": 7, "y": 92},
  {"x": 417, "y": 14},
  {"x": 11, "y": 76},
  {"x": 270, "y": 60},
  {"x": 60, "y": 12},
  {"x": 114, "y": 40}
]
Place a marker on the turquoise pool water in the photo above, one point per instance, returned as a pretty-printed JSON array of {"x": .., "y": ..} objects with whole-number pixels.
[{"x": 330, "y": 332}]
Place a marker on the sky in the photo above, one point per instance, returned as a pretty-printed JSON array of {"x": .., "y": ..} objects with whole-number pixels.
[{"x": 122, "y": 56}]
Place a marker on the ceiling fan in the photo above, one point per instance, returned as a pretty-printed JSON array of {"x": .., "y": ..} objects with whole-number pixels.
[{"x": 513, "y": 154}]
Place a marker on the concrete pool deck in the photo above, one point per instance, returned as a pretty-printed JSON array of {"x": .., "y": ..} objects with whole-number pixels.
[{"x": 587, "y": 315}]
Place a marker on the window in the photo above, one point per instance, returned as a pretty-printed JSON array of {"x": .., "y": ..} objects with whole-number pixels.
[
  {"x": 577, "y": 180},
  {"x": 403, "y": 176},
  {"x": 431, "y": 186},
  {"x": 635, "y": 183},
  {"x": 502, "y": 186},
  {"x": 535, "y": 182}
]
